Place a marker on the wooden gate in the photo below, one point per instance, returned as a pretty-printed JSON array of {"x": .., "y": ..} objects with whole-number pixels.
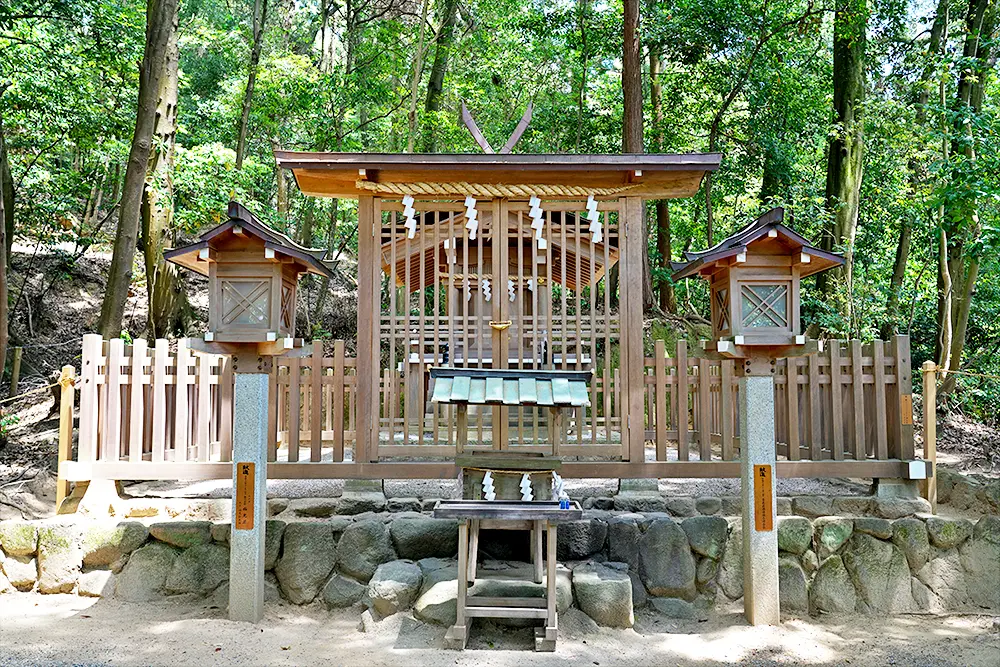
[{"x": 515, "y": 285}]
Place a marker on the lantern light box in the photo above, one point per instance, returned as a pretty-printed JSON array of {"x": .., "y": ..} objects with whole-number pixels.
[
  {"x": 754, "y": 277},
  {"x": 253, "y": 273}
]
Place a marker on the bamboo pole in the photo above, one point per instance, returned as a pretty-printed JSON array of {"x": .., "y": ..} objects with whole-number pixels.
[
  {"x": 66, "y": 399},
  {"x": 929, "y": 485}
]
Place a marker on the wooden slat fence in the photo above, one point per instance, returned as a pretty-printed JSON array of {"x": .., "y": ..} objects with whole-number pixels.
[
  {"x": 168, "y": 404},
  {"x": 141, "y": 405},
  {"x": 850, "y": 402}
]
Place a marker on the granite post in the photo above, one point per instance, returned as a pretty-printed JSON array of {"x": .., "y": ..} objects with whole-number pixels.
[
  {"x": 246, "y": 560},
  {"x": 760, "y": 547}
]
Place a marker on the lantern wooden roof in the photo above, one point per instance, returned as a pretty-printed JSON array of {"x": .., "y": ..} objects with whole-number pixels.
[
  {"x": 650, "y": 176},
  {"x": 244, "y": 231},
  {"x": 769, "y": 235}
]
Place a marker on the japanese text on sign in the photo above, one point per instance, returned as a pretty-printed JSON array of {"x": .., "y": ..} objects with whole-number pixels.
[
  {"x": 762, "y": 496},
  {"x": 245, "y": 495}
]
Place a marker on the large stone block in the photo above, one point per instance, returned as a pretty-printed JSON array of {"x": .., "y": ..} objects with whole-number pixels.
[
  {"x": 18, "y": 538},
  {"x": 880, "y": 575},
  {"x": 944, "y": 577},
  {"x": 21, "y": 571},
  {"x": 794, "y": 534},
  {"x": 639, "y": 502},
  {"x": 577, "y": 540},
  {"x": 832, "y": 590},
  {"x": 708, "y": 505},
  {"x": 981, "y": 560},
  {"x": 793, "y": 592},
  {"x": 874, "y": 526},
  {"x": 438, "y": 595},
  {"x": 852, "y": 505},
  {"x": 948, "y": 533},
  {"x": 274, "y": 531},
  {"x": 394, "y": 586},
  {"x": 423, "y": 537},
  {"x": 363, "y": 547},
  {"x": 706, "y": 535},
  {"x": 183, "y": 534},
  {"x": 665, "y": 561},
  {"x": 623, "y": 542},
  {"x": 812, "y": 506},
  {"x": 604, "y": 594},
  {"x": 910, "y": 535},
  {"x": 358, "y": 502},
  {"x": 831, "y": 533},
  {"x": 96, "y": 584},
  {"x": 682, "y": 506},
  {"x": 342, "y": 591},
  {"x": 308, "y": 557},
  {"x": 145, "y": 574},
  {"x": 897, "y": 508},
  {"x": 104, "y": 544},
  {"x": 731, "y": 567},
  {"x": 200, "y": 569},
  {"x": 60, "y": 557},
  {"x": 316, "y": 508}
]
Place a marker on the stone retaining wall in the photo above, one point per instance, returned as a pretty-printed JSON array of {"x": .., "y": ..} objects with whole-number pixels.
[{"x": 610, "y": 562}]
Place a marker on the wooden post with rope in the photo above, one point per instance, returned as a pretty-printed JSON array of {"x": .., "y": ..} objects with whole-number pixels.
[
  {"x": 66, "y": 400},
  {"x": 928, "y": 487}
]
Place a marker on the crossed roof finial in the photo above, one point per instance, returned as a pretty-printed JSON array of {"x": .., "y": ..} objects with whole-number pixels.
[{"x": 481, "y": 140}]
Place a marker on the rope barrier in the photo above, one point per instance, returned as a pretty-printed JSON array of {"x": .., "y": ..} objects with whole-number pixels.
[
  {"x": 509, "y": 472},
  {"x": 32, "y": 391},
  {"x": 945, "y": 371},
  {"x": 462, "y": 189}
]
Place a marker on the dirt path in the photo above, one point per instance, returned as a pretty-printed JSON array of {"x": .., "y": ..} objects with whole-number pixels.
[{"x": 64, "y": 630}]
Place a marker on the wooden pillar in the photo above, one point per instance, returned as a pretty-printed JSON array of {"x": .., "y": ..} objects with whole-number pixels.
[
  {"x": 928, "y": 486},
  {"x": 367, "y": 374},
  {"x": 630, "y": 282},
  {"x": 66, "y": 400}
]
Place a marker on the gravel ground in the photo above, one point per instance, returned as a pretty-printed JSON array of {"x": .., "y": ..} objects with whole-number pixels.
[{"x": 68, "y": 630}]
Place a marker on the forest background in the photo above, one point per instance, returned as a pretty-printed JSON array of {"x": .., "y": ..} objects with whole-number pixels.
[{"x": 126, "y": 127}]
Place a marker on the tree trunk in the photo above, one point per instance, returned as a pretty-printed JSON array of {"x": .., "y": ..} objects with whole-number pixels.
[
  {"x": 281, "y": 183},
  {"x": 159, "y": 28},
  {"x": 845, "y": 149},
  {"x": 435, "y": 87},
  {"x": 7, "y": 194},
  {"x": 668, "y": 300},
  {"x": 418, "y": 71},
  {"x": 582, "y": 11},
  {"x": 938, "y": 38},
  {"x": 896, "y": 283},
  {"x": 259, "y": 14},
  {"x": 632, "y": 139},
  {"x": 331, "y": 240},
  {"x": 4, "y": 332},
  {"x": 169, "y": 311},
  {"x": 962, "y": 217}
]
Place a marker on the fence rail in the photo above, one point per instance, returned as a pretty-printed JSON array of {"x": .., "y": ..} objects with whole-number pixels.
[
  {"x": 852, "y": 401},
  {"x": 163, "y": 412}
]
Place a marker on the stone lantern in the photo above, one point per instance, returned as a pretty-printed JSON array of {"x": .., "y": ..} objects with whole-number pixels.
[
  {"x": 253, "y": 272},
  {"x": 754, "y": 277}
]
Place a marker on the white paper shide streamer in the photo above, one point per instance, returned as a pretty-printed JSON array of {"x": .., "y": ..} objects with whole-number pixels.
[
  {"x": 489, "y": 492},
  {"x": 596, "y": 228},
  {"x": 487, "y": 289},
  {"x": 558, "y": 487},
  {"x": 408, "y": 213},
  {"x": 511, "y": 292},
  {"x": 526, "y": 493},
  {"x": 471, "y": 216},
  {"x": 537, "y": 221}
]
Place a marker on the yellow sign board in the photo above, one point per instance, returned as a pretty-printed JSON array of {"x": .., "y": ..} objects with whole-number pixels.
[
  {"x": 245, "y": 493},
  {"x": 906, "y": 409},
  {"x": 763, "y": 507}
]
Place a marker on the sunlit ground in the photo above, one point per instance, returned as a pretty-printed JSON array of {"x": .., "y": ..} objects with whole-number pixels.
[{"x": 64, "y": 629}]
